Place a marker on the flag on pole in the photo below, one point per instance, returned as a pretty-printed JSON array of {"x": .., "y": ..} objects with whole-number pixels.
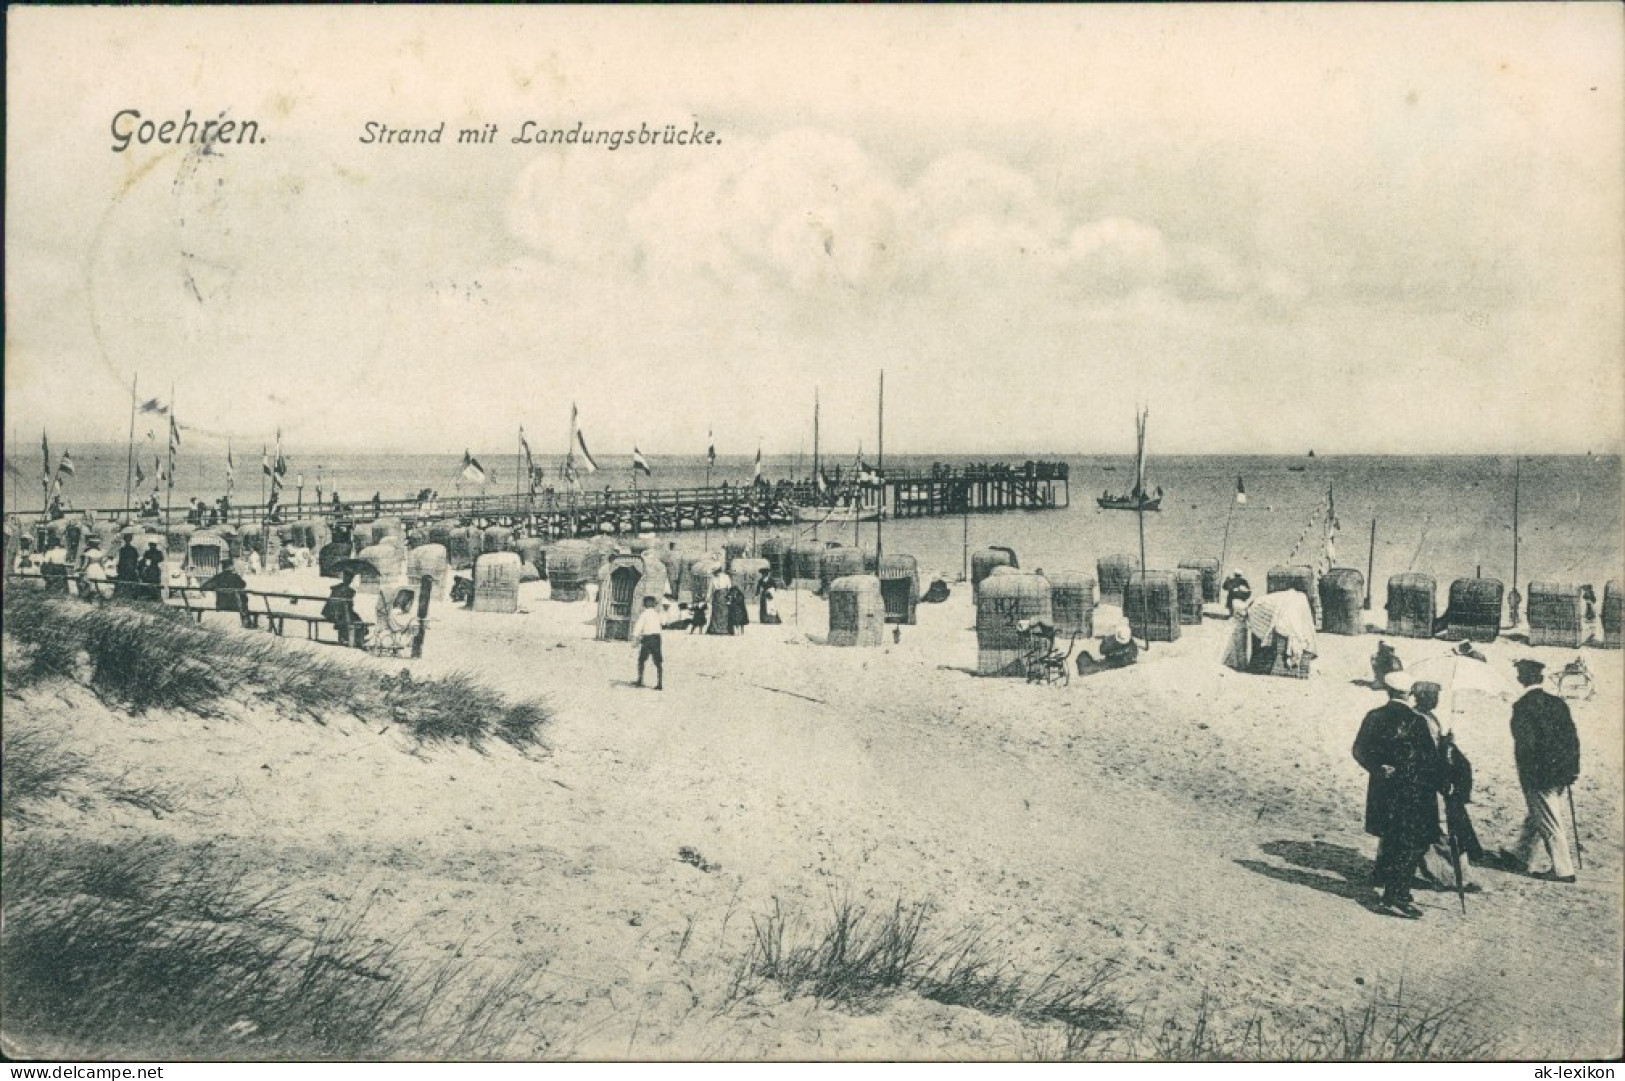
[
  {"x": 1332, "y": 526},
  {"x": 711, "y": 448},
  {"x": 640, "y": 463},
  {"x": 756, "y": 473},
  {"x": 1241, "y": 493},
  {"x": 174, "y": 435},
  {"x": 279, "y": 471},
  {"x": 231, "y": 469},
  {"x": 64, "y": 467},
  {"x": 473, "y": 472},
  {"x": 524, "y": 446},
  {"x": 159, "y": 473},
  {"x": 586, "y": 455},
  {"x": 140, "y": 477},
  {"x": 45, "y": 450}
]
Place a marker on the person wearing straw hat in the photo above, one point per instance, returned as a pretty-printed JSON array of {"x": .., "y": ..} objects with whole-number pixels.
[
  {"x": 1546, "y": 748},
  {"x": 1460, "y": 850},
  {"x": 1396, "y": 749},
  {"x": 1119, "y": 650}
]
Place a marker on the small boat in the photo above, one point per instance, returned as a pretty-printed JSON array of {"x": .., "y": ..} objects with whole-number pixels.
[
  {"x": 1295, "y": 468},
  {"x": 837, "y": 515},
  {"x": 1129, "y": 502},
  {"x": 1136, "y": 498}
]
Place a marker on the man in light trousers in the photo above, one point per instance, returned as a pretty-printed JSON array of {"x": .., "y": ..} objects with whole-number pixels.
[{"x": 1547, "y": 750}]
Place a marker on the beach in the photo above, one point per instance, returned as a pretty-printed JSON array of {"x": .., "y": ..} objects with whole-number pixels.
[{"x": 1194, "y": 828}]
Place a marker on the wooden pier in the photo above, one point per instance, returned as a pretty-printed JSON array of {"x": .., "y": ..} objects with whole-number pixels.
[{"x": 941, "y": 491}]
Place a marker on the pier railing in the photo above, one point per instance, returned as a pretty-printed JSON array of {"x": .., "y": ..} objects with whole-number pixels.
[{"x": 978, "y": 488}]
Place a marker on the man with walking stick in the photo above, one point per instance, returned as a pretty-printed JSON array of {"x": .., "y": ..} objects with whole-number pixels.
[{"x": 1547, "y": 750}]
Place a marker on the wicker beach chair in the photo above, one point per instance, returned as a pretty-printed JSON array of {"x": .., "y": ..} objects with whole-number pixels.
[
  {"x": 1188, "y": 585},
  {"x": 1209, "y": 570},
  {"x": 1613, "y": 613},
  {"x": 1006, "y": 605},
  {"x": 1412, "y": 606},
  {"x": 1556, "y": 614},
  {"x": 1112, "y": 572},
  {"x": 1151, "y": 605},
  {"x": 1342, "y": 601},
  {"x": 1474, "y": 609},
  {"x": 857, "y": 617}
]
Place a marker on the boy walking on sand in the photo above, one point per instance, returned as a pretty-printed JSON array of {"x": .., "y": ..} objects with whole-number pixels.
[{"x": 646, "y": 639}]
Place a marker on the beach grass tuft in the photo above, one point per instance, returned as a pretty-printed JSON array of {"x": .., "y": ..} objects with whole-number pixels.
[
  {"x": 856, "y": 958},
  {"x": 144, "y": 657},
  {"x": 457, "y": 708},
  {"x": 148, "y": 950},
  {"x": 34, "y": 767},
  {"x": 1378, "y": 1030}
]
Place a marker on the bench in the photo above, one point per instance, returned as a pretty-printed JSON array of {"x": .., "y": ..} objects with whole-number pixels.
[
  {"x": 276, "y": 617},
  {"x": 260, "y": 607},
  {"x": 195, "y": 601}
]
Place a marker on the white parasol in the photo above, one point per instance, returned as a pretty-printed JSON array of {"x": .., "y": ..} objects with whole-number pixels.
[{"x": 1458, "y": 674}]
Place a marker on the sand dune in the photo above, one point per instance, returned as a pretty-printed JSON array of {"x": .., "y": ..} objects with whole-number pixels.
[{"x": 1198, "y": 826}]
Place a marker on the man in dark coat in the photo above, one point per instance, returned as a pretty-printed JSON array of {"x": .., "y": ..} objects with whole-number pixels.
[
  {"x": 229, "y": 595},
  {"x": 1396, "y": 748},
  {"x": 127, "y": 579},
  {"x": 1547, "y": 750},
  {"x": 151, "y": 572}
]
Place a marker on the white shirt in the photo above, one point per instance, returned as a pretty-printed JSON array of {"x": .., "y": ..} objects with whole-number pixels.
[{"x": 648, "y": 623}]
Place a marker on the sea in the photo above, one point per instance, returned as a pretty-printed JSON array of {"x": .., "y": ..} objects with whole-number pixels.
[{"x": 1449, "y": 516}]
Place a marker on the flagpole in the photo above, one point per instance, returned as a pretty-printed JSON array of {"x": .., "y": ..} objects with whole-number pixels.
[
  {"x": 518, "y": 467},
  {"x": 880, "y": 469},
  {"x": 705, "y": 541},
  {"x": 818, "y": 476},
  {"x": 174, "y": 426},
  {"x": 1139, "y": 506},
  {"x": 129, "y": 458}
]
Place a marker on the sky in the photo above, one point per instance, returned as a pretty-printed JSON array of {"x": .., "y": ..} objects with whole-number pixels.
[{"x": 1363, "y": 229}]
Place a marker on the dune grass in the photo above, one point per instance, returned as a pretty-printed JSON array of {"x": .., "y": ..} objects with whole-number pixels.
[
  {"x": 1379, "y": 1029},
  {"x": 150, "y": 951},
  {"x": 143, "y": 657},
  {"x": 857, "y": 958},
  {"x": 34, "y": 767}
]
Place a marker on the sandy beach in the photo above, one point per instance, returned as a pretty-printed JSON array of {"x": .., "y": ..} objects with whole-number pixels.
[{"x": 1197, "y": 827}]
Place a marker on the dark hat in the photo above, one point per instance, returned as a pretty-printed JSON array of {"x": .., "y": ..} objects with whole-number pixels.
[{"x": 1529, "y": 667}]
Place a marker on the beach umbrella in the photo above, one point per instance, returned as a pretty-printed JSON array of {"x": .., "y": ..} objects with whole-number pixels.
[{"x": 1457, "y": 673}]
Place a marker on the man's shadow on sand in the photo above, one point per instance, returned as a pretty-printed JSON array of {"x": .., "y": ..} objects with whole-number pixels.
[{"x": 1334, "y": 869}]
